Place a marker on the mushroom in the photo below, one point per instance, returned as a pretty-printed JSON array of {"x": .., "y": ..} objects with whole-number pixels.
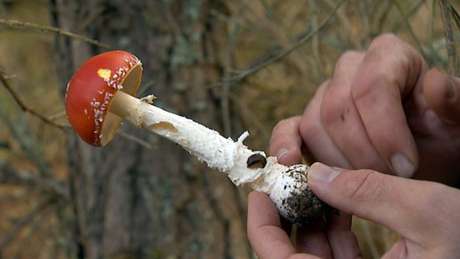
[{"x": 100, "y": 95}]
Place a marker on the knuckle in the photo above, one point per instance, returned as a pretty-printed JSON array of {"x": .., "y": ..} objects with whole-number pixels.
[
  {"x": 385, "y": 40},
  {"x": 406, "y": 62},
  {"x": 435, "y": 197},
  {"x": 369, "y": 91},
  {"x": 283, "y": 128},
  {"x": 367, "y": 186},
  {"x": 331, "y": 110},
  {"x": 363, "y": 91},
  {"x": 308, "y": 129},
  {"x": 348, "y": 57},
  {"x": 282, "y": 124}
]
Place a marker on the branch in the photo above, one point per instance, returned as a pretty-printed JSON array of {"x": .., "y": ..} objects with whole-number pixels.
[
  {"x": 407, "y": 15},
  {"x": 227, "y": 127},
  {"x": 135, "y": 139},
  {"x": 405, "y": 19},
  {"x": 24, "y": 107},
  {"x": 8, "y": 175},
  {"x": 277, "y": 54},
  {"x": 50, "y": 121},
  {"x": 45, "y": 28},
  {"x": 446, "y": 11}
]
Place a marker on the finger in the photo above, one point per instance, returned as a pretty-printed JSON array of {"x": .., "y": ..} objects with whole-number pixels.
[
  {"x": 313, "y": 240},
  {"x": 264, "y": 229},
  {"x": 442, "y": 94},
  {"x": 286, "y": 225},
  {"x": 303, "y": 256},
  {"x": 399, "y": 250},
  {"x": 314, "y": 135},
  {"x": 286, "y": 142},
  {"x": 342, "y": 120},
  {"x": 389, "y": 71},
  {"x": 342, "y": 241},
  {"x": 410, "y": 207}
]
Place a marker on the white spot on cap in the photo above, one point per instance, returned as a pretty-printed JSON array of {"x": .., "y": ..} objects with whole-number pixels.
[{"x": 104, "y": 73}]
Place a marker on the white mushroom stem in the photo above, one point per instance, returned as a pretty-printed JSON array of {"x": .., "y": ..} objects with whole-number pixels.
[
  {"x": 286, "y": 186},
  {"x": 207, "y": 145}
]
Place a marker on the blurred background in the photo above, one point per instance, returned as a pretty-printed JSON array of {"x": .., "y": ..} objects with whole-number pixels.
[{"x": 233, "y": 65}]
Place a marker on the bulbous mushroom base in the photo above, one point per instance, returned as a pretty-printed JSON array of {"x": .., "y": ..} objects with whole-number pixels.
[{"x": 294, "y": 199}]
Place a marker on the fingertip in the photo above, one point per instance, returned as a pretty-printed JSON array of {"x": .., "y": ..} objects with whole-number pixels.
[
  {"x": 321, "y": 174},
  {"x": 313, "y": 240},
  {"x": 435, "y": 88},
  {"x": 286, "y": 141},
  {"x": 261, "y": 210},
  {"x": 385, "y": 78},
  {"x": 441, "y": 93},
  {"x": 402, "y": 165},
  {"x": 288, "y": 156},
  {"x": 264, "y": 230},
  {"x": 257, "y": 198},
  {"x": 342, "y": 240},
  {"x": 252, "y": 195}
]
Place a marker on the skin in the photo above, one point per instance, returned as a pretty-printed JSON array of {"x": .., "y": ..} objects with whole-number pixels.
[
  {"x": 387, "y": 104},
  {"x": 424, "y": 213}
]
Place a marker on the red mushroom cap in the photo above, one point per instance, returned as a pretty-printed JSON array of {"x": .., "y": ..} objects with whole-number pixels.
[{"x": 91, "y": 89}]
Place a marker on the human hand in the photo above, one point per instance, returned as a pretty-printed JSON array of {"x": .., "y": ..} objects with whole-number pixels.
[
  {"x": 384, "y": 110},
  {"x": 268, "y": 232},
  {"x": 269, "y": 237},
  {"x": 425, "y": 214}
]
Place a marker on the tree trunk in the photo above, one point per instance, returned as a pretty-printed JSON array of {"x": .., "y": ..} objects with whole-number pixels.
[{"x": 129, "y": 201}]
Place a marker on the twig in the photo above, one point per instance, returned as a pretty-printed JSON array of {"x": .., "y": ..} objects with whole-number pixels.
[
  {"x": 45, "y": 28},
  {"x": 446, "y": 10},
  {"x": 316, "y": 41},
  {"x": 135, "y": 139},
  {"x": 249, "y": 116},
  {"x": 8, "y": 175},
  {"x": 412, "y": 11},
  {"x": 381, "y": 19},
  {"x": 227, "y": 124},
  {"x": 409, "y": 27},
  {"x": 279, "y": 54},
  {"x": 455, "y": 15},
  {"x": 24, "y": 107},
  {"x": 50, "y": 121},
  {"x": 365, "y": 20},
  {"x": 57, "y": 115}
]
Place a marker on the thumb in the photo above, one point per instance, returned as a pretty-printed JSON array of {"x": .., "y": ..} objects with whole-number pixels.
[
  {"x": 403, "y": 205},
  {"x": 442, "y": 94}
]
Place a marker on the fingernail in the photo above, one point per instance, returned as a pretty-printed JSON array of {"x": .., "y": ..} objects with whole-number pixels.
[
  {"x": 281, "y": 153},
  {"x": 322, "y": 173},
  {"x": 432, "y": 120},
  {"x": 402, "y": 165}
]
